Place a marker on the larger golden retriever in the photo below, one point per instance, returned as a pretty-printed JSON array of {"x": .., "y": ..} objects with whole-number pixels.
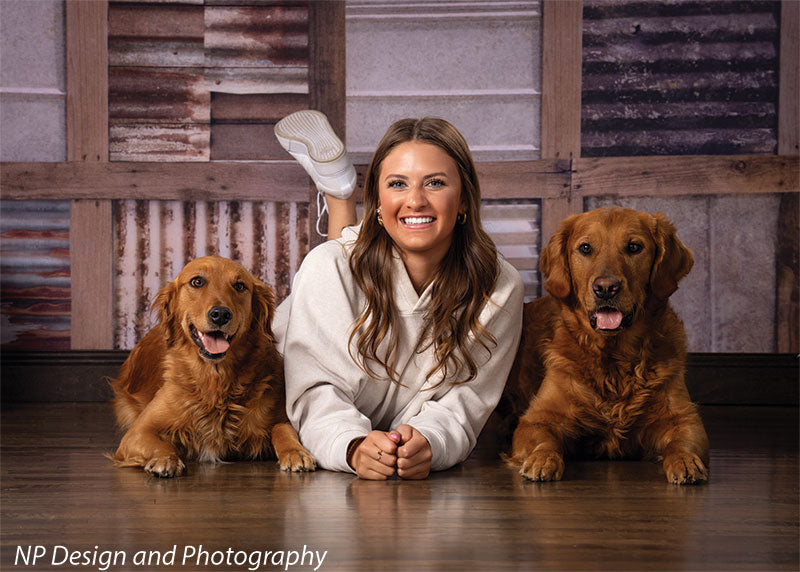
[
  {"x": 206, "y": 383},
  {"x": 606, "y": 352}
]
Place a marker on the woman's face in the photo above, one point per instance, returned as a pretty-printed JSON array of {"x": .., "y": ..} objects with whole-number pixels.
[{"x": 419, "y": 194}]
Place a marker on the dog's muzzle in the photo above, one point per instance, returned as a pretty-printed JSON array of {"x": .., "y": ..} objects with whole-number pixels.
[{"x": 213, "y": 345}]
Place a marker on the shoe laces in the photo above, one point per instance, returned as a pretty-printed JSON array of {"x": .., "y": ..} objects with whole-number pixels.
[{"x": 322, "y": 209}]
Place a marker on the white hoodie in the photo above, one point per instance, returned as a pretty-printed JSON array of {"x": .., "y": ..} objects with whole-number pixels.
[{"x": 331, "y": 401}]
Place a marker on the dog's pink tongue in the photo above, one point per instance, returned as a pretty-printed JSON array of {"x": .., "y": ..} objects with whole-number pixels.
[
  {"x": 609, "y": 319},
  {"x": 215, "y": 343}
]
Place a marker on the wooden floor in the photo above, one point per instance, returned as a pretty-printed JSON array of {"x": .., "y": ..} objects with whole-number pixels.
[{"x": 61, "y": 495}]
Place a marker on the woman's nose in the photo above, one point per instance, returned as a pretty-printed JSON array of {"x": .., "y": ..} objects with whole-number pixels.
[{"x": 416, "y": 196}]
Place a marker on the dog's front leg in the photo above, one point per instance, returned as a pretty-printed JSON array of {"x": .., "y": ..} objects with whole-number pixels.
[
  {"x": 143, "y": 446},
  {"x": 539, "y": 440},
  {"x": 292, "y": 456},
  {"x": 684, "y": 447},
  {"x": 678, "y": 436}
]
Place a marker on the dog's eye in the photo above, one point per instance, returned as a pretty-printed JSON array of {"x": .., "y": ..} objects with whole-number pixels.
[
  {"x": 634, "y": 248},
  {"x": 239, "y": 287},
  {"x": 197, "y": 282},
  {"x": 585, "y": 248}
]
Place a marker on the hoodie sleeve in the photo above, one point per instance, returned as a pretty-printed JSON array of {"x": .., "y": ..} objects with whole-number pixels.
[
  {"x": 322, "y": 381},
  {"x": 453, "y": 420}
]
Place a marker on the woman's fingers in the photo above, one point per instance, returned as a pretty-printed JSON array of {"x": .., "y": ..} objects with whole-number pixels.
[{"x": 375, "y": 457}]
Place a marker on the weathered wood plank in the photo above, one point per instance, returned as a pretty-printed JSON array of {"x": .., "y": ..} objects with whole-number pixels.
[
  {"x": 286, "y": 181},
  {"x": 87, "y": 144},
  {"x": 789, "y": 85},
  {"x": 787, "y": 295},
  {"x": 326, "y": 78},
  {"x": 91, "y": 273},
  {"x": 546, "y": 178},
  {"x": 87, "y": 81},
  {"x": 217, "y": 181},
  {"x": 686, "y": 175},
  {"x": 562, "y": 30},
  {"x": 561, "y": 78}
]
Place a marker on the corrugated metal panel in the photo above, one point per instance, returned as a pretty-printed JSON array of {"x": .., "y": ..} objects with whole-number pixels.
[
  {"x": 162, "y": 80},
  {"x": 679, "y": 77},
  {"x": 166, "y": 61},
  {"x": 158, "y": 95},
  {"x": 515, "y": 228},
  {"x": 35, "y": 274},
  {"x": 155, "y": 239},
  {"x": 165, "y": 35},
  {"x": 476, "y": 63},
  {"x": 256, "y": 36}
]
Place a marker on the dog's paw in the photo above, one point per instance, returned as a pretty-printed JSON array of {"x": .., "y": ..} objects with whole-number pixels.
[
  {"x": 543, "y": 466},
  {"x": 165, "y": 466},
  {"x": 685, "y": 468},
  {"x": 297, "y": 461}
]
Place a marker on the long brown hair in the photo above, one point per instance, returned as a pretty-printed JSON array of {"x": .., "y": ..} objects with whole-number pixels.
[{"x": 462, "y": 286}]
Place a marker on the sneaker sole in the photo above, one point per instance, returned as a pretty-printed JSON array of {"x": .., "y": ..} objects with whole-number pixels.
[{"x": 309, "y": 138}]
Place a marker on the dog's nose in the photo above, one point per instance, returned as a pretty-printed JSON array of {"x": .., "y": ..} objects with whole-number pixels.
[
  {"x": 220, "y": 315},
  {"x": 606, "y": 287}
]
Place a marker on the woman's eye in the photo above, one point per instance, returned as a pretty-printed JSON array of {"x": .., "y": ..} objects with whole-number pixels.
[
  {"x": 239, "y": 287},
  {"x": 634, "y": 248},
  {"x": 585, "y": 248},
  {"x": 396, "y": 184},
  {"x": 436, "y": 183},
  {"x": 197, "y": 282}
]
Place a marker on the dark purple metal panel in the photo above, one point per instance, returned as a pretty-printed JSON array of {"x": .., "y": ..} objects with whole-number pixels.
[{"x": 677, "y": 77}]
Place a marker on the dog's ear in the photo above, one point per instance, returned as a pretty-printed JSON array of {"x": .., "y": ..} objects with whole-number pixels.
[
  {"x": 673, "y": 259},
  {"x": 165, "y": 305},
  {"x": 554, "y": 261},
  {"x": 263, "y": 308}
]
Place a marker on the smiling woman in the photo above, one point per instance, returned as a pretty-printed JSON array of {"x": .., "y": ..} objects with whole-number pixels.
[
  {"x": 420, "y": 198},
  {"x": 397, "y": 372}
]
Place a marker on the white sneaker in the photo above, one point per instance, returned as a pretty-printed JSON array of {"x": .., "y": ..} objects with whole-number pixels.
[{"x": 309, "y": 138}]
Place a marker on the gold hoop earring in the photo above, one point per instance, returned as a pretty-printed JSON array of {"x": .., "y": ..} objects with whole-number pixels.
[
  {"x": 380, "y": 218},
  {"x": 461, "y": 218}
]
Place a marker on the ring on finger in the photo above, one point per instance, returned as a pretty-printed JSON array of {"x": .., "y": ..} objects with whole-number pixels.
[{"x": 379, "y": 454}]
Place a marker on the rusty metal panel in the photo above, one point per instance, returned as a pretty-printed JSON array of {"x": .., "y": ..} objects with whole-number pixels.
[
  {"x": 159, "y": 142},
  {"x": 158, "y": 95},
  {"x": 678, "y": 77},
  {"x": 35, "y": 275},
  {"x": 155, "y": 239},
  {"x": 256, "y": 36},
  {"x": 165, "y": 35},
  {"x": 166, "y": 61}
]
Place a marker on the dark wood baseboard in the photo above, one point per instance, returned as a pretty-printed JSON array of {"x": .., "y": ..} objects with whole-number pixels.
[{"x": 718, "y": 379}]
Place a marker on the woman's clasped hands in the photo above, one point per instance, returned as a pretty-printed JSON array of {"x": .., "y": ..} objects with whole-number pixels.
[{"x": 381, "y": 454}]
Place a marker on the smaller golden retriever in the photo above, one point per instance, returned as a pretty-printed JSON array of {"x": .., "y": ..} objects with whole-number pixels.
[
  {"x": 604, "y": 353},
  {"x": 206, "y": 383}
]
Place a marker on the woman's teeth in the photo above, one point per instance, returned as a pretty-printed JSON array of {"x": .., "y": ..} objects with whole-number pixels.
[{"x": 418, "y": 220}]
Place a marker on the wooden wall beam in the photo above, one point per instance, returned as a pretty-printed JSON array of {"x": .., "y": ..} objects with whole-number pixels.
[
  {"x": 212, "y": 181},
  {"x": 547, "y": 179},
  {"x": 685, "y": 175},
  {"x": 562, "y": 35},
  {"x": 91, "y": 232},
  {"x": 787, "y": 258},
  {"x": 326, "y": 77}
]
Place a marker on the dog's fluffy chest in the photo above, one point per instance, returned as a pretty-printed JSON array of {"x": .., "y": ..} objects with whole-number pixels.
[
  {"x": 223, "y": 421},
  {"x": 620, "y": 400}
]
